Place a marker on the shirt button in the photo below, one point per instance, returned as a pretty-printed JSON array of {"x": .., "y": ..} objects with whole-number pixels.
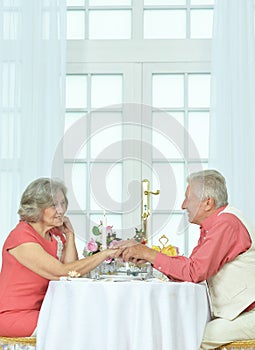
[{"x": 159, "y": 267}]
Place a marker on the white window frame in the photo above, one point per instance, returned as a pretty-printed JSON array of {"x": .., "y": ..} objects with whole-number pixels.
[{"x": 137, "y": 60}]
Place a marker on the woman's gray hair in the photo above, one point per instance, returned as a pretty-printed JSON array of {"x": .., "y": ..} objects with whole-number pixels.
[
  {"x": 209, "y": 184},
  {"x": 39, "y": 195}
]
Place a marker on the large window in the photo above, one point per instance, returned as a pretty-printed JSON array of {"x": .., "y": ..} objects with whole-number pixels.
[
  {"x": 159, "y": 19},
  {"x": 137, "y": 106}
]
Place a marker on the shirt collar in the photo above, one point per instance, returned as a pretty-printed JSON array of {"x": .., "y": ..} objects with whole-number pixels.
[{"x": 208, "y": 222}]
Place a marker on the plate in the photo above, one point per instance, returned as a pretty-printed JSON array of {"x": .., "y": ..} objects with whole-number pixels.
[
  {"x": 76, "y": 279},
  {"x": 120, "y": 278}
]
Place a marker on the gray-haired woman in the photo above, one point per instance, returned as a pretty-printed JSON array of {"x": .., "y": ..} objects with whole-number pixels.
[{"x": 40, "y": 248}]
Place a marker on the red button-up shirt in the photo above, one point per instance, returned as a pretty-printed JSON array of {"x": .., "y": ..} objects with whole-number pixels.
[{"x": 222, "y": 238}]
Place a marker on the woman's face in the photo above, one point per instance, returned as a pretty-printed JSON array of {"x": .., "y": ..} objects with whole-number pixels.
[{"x": 53, "y": 216}]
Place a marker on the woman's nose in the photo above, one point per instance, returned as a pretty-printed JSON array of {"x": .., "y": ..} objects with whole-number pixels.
[{"x": 60, "y": 209}]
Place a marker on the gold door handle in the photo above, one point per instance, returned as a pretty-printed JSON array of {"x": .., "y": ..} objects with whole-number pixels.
[
  {"x": 146, "y": 192},
  {"x": 150, "y": 192}
]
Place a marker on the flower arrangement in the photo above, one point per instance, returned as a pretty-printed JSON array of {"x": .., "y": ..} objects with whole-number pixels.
[
  {"x": 94, "y": 245},
  {"x": 169, "y": 250},
  {"x": 140, "y": 236}
]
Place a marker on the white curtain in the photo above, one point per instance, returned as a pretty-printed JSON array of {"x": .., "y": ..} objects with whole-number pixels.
[
  {"x": 232, "y": 130},
  {"x": 32, "y": 97}
]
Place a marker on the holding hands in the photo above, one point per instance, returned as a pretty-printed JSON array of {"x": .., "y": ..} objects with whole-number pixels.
[{"x": 131, "y": 250}]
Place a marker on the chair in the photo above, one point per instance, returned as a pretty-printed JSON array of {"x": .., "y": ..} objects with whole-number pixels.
[
  {"x": 12, "y": 343},
  {"x": 240, "y": 344}
]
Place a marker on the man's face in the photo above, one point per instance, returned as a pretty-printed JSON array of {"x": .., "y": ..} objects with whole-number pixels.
[{"x": 194, "y": 206}]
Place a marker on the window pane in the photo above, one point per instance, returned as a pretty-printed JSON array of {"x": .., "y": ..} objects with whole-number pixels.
[
  {"x": 202, "y": 2},
  {"x": 76, "y": 91},
  {"x": 201, "y": 22},
  {"x": 76, "y": 180},
  {"x": 199, "y": 90},
  {"x": 75, "y": 25},
  {"x": 168, "y": 90},
  {"x": 107, "y": 143},
  {"x": 75, "y": 2},
  {"x": 106, "y": 90},
  {"x": 167, "y": 177},
  {"x": 164, "y": 146},
  {"x": 73, "y": 126},
  {"x": 106, "y": 139},
  {"x": 82, "y": 154},
  {"x": 110, "y": 24},
  {"x": 71, "y": 118},
  {"x": 114, "y": 182},
  {"x": 164, "y": 24},
  {"x": 109, "y": 2},
  {"x": 106, "y": 186},
  {"x": 199, "y": 132},
  {"x": 164, "y": 2}
]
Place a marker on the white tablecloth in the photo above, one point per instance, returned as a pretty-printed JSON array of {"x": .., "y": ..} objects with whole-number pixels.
[{"x": 133, "y": 315}]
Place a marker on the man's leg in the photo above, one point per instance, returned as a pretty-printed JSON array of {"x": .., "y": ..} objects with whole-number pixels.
[{"x": 220, "y": 331}]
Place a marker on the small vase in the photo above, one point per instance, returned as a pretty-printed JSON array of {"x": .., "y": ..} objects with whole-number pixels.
[
  {"x": 95, "y": 273},
  {"x": 109, "y": 268}
]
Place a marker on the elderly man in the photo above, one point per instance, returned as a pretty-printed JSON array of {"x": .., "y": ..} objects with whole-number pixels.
[{"x": 224, "y": 256}]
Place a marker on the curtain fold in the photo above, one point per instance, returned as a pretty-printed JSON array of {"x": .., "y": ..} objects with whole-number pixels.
[
  {"x": 232, "y": 129},
  {"x": 32, "y": 97}
]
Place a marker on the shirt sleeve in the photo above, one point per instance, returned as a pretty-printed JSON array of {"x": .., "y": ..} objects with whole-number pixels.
[{"x": 221, "y": 244}]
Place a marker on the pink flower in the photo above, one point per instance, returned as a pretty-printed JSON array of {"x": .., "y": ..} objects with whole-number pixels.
[
  {"x": 92, "y": 245},
  {"x": 108, "y": 260},
  {"x": 109, "y": 230}
]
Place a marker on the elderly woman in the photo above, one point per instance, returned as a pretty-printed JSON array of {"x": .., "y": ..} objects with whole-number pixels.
[{"x": 40, "y": 248}]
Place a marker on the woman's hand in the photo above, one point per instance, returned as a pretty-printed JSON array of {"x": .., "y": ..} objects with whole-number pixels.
[
  {"x": 112, "y": 252},
  {"x": 67, "y": 227},
  {"x": 70, "y": 253},
  {"x": 138, "y": 253}
]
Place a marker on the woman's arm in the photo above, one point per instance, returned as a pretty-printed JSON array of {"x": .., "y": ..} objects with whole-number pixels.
[{"x": 35, "y": 258}]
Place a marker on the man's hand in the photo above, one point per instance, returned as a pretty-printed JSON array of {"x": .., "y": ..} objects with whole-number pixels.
[{"x": 138, "y": 253}]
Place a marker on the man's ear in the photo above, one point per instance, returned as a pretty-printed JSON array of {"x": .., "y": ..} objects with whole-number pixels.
[{"x": 210, "y": 204}]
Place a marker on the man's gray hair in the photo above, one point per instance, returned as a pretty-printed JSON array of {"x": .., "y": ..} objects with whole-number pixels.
[
  {"x": 39, "y": 195},
  {"x": 209, "y": 184}
]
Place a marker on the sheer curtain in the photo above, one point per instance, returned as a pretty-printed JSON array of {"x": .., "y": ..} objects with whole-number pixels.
[
  {"x": 32, "y": 96},
  {"x": 232, "y": 130}
]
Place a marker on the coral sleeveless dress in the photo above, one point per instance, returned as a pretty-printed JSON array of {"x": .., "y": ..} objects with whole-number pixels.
[{"x": 21, "y": 290}]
